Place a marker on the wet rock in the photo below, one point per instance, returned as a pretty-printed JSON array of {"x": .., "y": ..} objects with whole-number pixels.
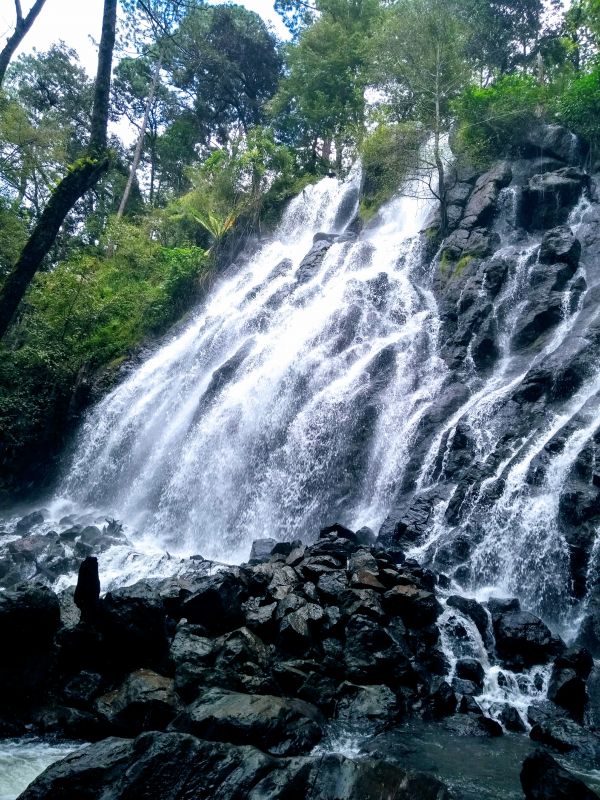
[
  {"x": 192, "y": 655},
  {"x": 372, "y": 654},
  {"x": 26, "y": 523},
  {"x": 144, "y": 701},
  {"x": 556, "y": 142},
  {"x": 542, "y": 778},
  {"x": 522, "y": 639},
  {"x": 566, "y": 736},
  {"x": 83, "y": 689},
  {"x": 69, "y": 723},
  {"x": 312, "y": 261},
  {"x": 511, "y": 719},
  {"x": 133, "y": 624},
  {"x": 473, "y": 725},
  {"x": 471, "y": 670},
  {"x": 548, "y": 199},
  {"x": 474, "y": 611},
  {"x": 417, "y": 607},
  {"x": 567, "y": 687},
  {"x": 261, "y": 549},
  {"x": 218, "y": 604},
  {"x": 443, "y": 701},
  {"x": 164, "y": 766},
  {"x": 298, "y": 627},
  {"x": 560, "y": 245},
  {"x": 366, "y": 707},
  {"x": 276, "y": 725},
  {"x": 87, "y": 591}
]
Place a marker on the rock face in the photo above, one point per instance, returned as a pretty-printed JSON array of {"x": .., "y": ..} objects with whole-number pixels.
[
  {"x": 543, "y": 778},
  {"x": 167, "y": 766}
]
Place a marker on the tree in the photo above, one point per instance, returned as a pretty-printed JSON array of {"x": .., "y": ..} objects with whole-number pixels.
[
  {"x": 44, "y": 123},
  {"x": 22, "y": 26},
  {"x": 224, "y": 63},
  {"x": 419, "y": 53},
  {"x": 322, "y": 98},
  {"x": 81, "y": 176}
]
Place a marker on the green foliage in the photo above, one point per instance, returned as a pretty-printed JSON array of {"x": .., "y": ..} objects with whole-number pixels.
[
  {"x": 491, "y": 120},
  {"x": 321, "y": 100},
  {"x": 387, "y": 155},
  {"x": 578, "y": 106},
  {"x": 87, "y": 313}
]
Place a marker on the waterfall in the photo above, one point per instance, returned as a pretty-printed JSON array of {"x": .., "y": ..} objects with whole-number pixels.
[
  {"x": 309, "y": 387},
  {"x": 289, "y": 399}
]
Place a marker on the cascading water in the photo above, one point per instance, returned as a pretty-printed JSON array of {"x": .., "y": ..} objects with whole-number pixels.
[{"x": 273, "y": 412}]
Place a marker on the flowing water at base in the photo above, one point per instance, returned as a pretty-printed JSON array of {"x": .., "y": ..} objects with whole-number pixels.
[{"x": 22, "y": 760}]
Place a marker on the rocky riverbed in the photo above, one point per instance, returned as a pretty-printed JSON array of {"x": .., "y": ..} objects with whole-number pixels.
[{"x": 311, "y": 671}]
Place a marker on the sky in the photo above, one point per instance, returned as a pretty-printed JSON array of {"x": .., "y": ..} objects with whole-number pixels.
[{"x": 75, "y": 21}]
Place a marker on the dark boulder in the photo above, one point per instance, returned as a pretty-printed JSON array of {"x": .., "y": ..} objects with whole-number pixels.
[
  {"x": 567, "y": 687},
  {"x": 542, "y": 778},
  {"x": 547, "y": 199},
  {"x": 475, "y": 612},
  {"x": 554, "y": 141},
  {"x": 261, "y": 549},
  {"x": 144, "y": 701},
  {"x": 218, "y": 604},
  {"x": 417, "y": 607},
  {"x": 172, "y": 766},
  {"x": 26, "y": 523},
  {"x": 471, "y": 670},
  {"x": 522, "y": 639},
  {"x": 311, "y": 262},
  {"x": 366, "y": 707},
  {"x": 558, "y": 245},
  {"x": 87, "y": 591},
  {"x": 133, "y": 625},
  {"x": 511, "y": 719},
  {"x": 277, "y": 725}
]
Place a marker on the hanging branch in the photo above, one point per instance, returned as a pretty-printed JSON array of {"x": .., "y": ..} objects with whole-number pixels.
[{"x": 22, "y": 27}]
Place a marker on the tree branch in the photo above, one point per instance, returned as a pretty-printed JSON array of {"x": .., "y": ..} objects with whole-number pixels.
[{"x": 21, "y": 29}]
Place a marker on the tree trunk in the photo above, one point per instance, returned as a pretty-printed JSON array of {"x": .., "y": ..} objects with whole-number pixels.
[
  {"x": 140, "y": 142},
  {"x": 81, "y": 177},
  {"x": 21, "y": 30},
  {"x": 439, "y": 163}
]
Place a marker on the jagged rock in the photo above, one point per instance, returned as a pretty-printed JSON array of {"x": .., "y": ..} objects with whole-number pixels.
[
  {"x": 567, "y": 686},
  {"x": 558, "y": 245},
  {"x": 554, "y": 141},
  {"x": 83, "y": 689},
  {"x": 312, "y": 261},
  {"x": 261, "y": 549},
  {"x": 373, "y": 706},
  {"x": 164, "y": 766},
  {"x": 276, "y": 725},
  {"x": 474, "y": 611},
  {"x": 471, "y": 670},
  {"x": 69, "y": 723},
  {"x": 566, "y": 736},
  {"x": 133, "y": 624},
  {"x": 372, "y": 654},
  {"x": 511, "y": 719},
  {"x": 191, "y": 653},
  {"x": 522, "y": 639},
  {"x": 26, "y": 523},
  {"x": 542, "y": 778},
  {"x": 87, "y": 591},
  {"x": 145, "y": 700},
  {"x": 548, "y": 199},
  {"x": 417, "y": 607},
  {"x": 298, "y": 627},
  {"x": 443, "y": 700},
  {"x": 218, "y": 603}
]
